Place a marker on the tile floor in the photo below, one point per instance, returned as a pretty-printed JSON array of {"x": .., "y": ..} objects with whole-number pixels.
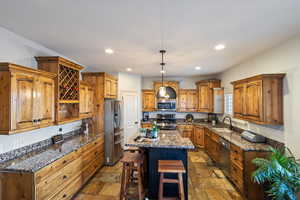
[{"x": 206, "y": 182}]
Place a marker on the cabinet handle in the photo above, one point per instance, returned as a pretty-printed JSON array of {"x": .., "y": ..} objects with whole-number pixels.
[
  {"x": 64, "y": 177},
  {"x": 64, "y": 162},
  {"x": 64, "y": 196}
]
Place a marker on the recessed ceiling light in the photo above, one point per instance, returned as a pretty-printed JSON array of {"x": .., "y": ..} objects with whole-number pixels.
[
  {"x": 197, "y": 68},
  {"x": 109, "y": 51},
  {"x": 220, "y": 47},
  {"x": 128, "y": 69},
  {"x": 162, "y": 71}
]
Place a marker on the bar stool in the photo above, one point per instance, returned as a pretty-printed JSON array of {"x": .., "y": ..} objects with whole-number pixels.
[
  {"x": 144, "y": 161},
  {"x": 132, "y": 162},
  {"x": 171, "y": 166}
]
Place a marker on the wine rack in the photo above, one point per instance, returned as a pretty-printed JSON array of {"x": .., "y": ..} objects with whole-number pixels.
[
  {"x": 67, "y": 87},
  {"x": 68, "y": 83}
]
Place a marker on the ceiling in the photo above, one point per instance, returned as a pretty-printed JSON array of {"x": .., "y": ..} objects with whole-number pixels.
[{"x": 82, "y": 29}]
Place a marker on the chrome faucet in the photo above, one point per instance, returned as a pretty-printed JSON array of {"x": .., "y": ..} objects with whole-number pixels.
[{"x": 230, "y": 121}]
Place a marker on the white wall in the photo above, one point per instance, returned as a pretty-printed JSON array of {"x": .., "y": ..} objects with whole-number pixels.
[
  {"x": 187, "y": 82},
  {"x": 284, "y": 58},
  {"x": 131, "y": 83},
  {"x": 19, "y": 50}
]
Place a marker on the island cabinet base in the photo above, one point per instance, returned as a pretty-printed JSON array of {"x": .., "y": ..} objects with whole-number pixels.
[{"x": 155, "y": 154}]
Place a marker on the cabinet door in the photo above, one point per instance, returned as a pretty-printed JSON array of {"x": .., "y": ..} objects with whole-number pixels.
[
  {"x": 107, "y": 88},
  {"x": 23, "y": 106},
  {"x": 192, "y": 100},
  {"x": 205, "y": 94},
  {"x": 83, "y": 99},
  {"x": 253, "y": 100},
  {"x": 182, "y": 100},
  {"x": 90, "y": 100},
  {"x": 148, "y": 100},
  {"x": 114, "y": 89},
  {"x": 199, "y": 136},
  {"x": 45, "y": 98},
  {"x": 238, "y": 100}
]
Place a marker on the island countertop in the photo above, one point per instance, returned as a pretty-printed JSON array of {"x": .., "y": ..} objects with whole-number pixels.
[{"x": 166, "y": 139}]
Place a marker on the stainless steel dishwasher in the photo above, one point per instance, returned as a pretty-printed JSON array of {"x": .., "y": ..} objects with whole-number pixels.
[{"x": 224, "y": 163}]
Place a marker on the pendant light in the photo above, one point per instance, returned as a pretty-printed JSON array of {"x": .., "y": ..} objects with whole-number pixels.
[{"x": 162, "y": 92}]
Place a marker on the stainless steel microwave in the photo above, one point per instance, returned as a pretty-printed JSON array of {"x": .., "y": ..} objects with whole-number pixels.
[{"x": 166, "y": 105}]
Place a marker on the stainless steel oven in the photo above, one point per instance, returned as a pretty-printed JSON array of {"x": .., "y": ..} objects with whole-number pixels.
[{"x": 166, "y": 105}]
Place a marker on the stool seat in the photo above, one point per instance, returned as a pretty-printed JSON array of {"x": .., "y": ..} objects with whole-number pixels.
[
  {"x": 131, "y": 157},
  {"x": 171, "y": 166}
]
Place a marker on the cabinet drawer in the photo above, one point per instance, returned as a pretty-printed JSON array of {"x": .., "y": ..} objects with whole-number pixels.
[
  {"x": 237, "y": 176},
  {"x": 58, "y": 180},
  {"x": 92, "y": 167},
  {"x": 236, "y": 155},
  {"x": 69, "y": 190},
  {"x": 98, "y": 141},
  {"x": 53, "y": 168},
  {"x": 89, "y": 156}
]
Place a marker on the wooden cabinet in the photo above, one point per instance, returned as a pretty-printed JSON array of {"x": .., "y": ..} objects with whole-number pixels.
[
  {"x": 110, "y": 86},
  {"x": 199, "y": 136},
  {"x": 206, "y": 94},
  {"x": 187, "y": 100},
  {"x": 187, "y": 131},
  {"x": 59, "y": 180},
  {"x": 146, "y": 125},
  {"x": 101, "y": 83},
  {"x": 27, "y": 98},
  {"x": 148, "y": 99},
  {"x": 67, "y": 86},
  {"x": 86, "y": 104},
  {"x": 212, "y": 146},
  {"x": 259, "y": 99},
  {"x": 241, "y": 170}
]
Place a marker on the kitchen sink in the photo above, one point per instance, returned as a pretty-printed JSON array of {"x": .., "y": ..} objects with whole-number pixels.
[{"x": 224, "y": 130}]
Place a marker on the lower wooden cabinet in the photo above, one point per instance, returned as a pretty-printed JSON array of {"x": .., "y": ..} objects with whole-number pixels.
[
  {"x": 199, "y": 136},
  {"x": 59, "y": 180},
  {"x": 187, "y": 131},
  {"x": 146, "y": 125},
  {"x": 212, "y": 146},
  {"x": 241, "y": 170}
]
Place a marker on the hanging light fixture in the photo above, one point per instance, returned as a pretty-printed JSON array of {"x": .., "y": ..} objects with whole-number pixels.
[{"x": 162, "y": 92}]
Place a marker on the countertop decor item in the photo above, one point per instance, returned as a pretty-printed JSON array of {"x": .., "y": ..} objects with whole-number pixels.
[{"x": 282, "y": 171}]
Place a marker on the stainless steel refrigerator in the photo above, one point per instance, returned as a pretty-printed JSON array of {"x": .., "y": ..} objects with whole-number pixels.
[{"x": 113, "y": 131}]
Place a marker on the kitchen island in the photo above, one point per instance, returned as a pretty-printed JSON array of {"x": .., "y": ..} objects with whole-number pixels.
[{"x": 168, "y": 146}]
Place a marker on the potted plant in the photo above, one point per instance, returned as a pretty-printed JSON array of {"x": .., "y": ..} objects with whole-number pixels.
[{"x": 280, "y": 171}]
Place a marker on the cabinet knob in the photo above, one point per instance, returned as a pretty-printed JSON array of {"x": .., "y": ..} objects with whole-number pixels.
[{"x": 64, "y": 177}]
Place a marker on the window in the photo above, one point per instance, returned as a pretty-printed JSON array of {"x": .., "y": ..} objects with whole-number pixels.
[{"x": 228, "y": 110}]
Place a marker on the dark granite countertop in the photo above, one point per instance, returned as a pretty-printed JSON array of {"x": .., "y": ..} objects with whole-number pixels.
[
  {"x": 166, "y": 139},
  {"x": 233, "y": 137},
  {"x": 36, "y": 160}
]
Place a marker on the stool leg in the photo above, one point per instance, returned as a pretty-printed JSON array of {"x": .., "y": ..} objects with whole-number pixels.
[
  {"x": 181, "y": 190},
  {"x": 161, "y": 187},
  {"x": 123, "y": 182},
  {"x": 140, "y": 183}
]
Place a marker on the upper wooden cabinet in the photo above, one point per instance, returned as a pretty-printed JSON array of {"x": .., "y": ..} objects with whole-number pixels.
[
  {"x": 187, "y": 100},
  {"x": 110, "y": 86},
  {"x": 67, "y": 86},
  {"x": 259, "y": 99},
  {"x": 206, "y": 94},
  {"x": 105, "y": 86},
  {"x": 148, "y": 98},
  {"x": 86, "y": 103},
  {"x": 27, "y": 98}
]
